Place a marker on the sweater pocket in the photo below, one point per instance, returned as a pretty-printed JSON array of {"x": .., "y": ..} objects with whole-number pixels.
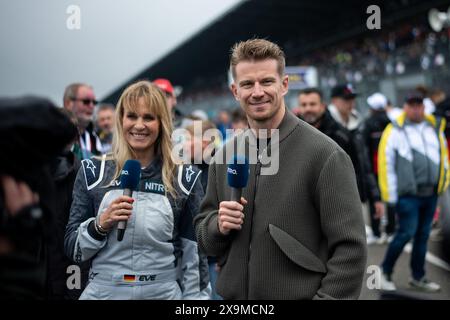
[
  {"x": 221, "y": 260},
  {"x": 296, "y": 251}
]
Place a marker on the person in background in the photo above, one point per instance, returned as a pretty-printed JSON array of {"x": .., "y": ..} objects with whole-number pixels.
[
  {"x": 195, "y": 115},
  {"x": 166, "y": 86},
  {"x": 432, "y": 97},
  {"x": 223, "y": 123},
  {"x": 79, "y": 98},
  {"x": 63, "y": 169},
  {"x": 372, "y": 129},
  {"x": 313, "y": 110},
  {"x": 412, "y": 171},
  {"x": 238, "y": 119},
  {"x": 197, "y": 146},
  {"x": 342, "y": 109},
  {"x": 104, "y": 120},
  {"x": 443, "y": 111},
  {"x": 33, "y": 132},
  {"x": 437, "y": 96},
  {"x": 442, "y": 232},
  {"x": 342, "y": 106}
]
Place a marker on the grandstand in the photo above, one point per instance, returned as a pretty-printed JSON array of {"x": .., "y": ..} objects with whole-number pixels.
[{"x": 329, "y": 35}]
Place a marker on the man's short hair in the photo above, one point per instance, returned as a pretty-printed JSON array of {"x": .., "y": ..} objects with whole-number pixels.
[
  {"x": 238, "y": 115},
  {"x": 106, "y": 106},
  {"x": 71, "y": 91},
  {"x": 206, "y": 125},
  {"x": 312, "y": 90},
  {"x": 256, "y": 50},
  {"x": 103, "y": 107}
]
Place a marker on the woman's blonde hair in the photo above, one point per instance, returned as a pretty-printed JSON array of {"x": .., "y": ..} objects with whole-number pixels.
[{"x": 155, "y": 100}]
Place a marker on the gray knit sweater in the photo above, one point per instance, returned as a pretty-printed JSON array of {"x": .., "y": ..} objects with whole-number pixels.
[{"x": 303, "y": 235}]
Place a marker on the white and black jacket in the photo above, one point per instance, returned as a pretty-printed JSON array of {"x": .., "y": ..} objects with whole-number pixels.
[{"x": 159, "y": 235}]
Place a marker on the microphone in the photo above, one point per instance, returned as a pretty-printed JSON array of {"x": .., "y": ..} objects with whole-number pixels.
[
  {"x": 237, "y": 176},
  {"x": 129, "y": 180}
]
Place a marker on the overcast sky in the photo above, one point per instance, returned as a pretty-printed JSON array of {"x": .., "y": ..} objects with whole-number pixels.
[{"x": 117, "y": 39}]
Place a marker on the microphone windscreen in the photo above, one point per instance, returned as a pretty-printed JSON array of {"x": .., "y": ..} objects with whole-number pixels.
[
  {"x": 237, "y": 172},
  {"x": 130, "y": 175}
]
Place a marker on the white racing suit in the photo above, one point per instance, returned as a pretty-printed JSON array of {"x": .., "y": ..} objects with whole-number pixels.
[{"x": 158, "y": 257}]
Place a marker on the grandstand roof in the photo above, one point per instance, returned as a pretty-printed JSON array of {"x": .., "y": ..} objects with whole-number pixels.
[{"x": 298, "y": 26}]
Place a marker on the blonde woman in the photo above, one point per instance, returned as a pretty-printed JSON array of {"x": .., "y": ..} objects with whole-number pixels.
[{"x": 158, "y": 256}]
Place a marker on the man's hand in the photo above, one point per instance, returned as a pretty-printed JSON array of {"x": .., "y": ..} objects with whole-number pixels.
[
  {"x": 18, "y": 195},
  {"x": 231, "y": 216}
]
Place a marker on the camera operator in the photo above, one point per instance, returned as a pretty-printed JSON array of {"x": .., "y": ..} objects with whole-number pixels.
[{"x": 32, "y": 133}]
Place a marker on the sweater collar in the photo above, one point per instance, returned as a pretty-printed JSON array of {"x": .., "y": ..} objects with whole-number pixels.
[{"x": 287, "y": 125}]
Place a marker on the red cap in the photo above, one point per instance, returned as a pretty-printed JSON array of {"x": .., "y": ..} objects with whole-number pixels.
[{"x": 164, "y": 85}]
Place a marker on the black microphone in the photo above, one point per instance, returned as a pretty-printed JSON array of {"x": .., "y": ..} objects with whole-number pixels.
[
  {"x": 237, "y": 176},
  {"x": 129, "y": 180}
]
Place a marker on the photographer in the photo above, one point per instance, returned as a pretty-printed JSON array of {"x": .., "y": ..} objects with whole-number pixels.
[{"x": 32, "y": 133}]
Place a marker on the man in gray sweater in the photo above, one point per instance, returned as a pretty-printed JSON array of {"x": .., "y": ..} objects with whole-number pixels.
[{"x": 298, "y": 231}]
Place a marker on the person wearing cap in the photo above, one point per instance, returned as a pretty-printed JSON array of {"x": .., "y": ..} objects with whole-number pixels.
[
  {"x": 171, "y": 98},
  {"x": 372, "y": 129},
  {"x": 342, "y": 110},
  {"x": 166, "y": 86},
  {"x": 412, "y": 172},
  {"x": 342, "y": 106}
]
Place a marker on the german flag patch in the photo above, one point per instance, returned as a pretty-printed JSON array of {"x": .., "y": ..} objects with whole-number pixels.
[{"x": 129, "y": 278}]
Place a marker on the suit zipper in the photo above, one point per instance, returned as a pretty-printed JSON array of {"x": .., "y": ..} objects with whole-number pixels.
[{"x": 257, "y": 173}]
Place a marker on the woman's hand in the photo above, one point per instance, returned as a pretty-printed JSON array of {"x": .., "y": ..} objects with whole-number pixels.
[{"x": 118, "y": 210}]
